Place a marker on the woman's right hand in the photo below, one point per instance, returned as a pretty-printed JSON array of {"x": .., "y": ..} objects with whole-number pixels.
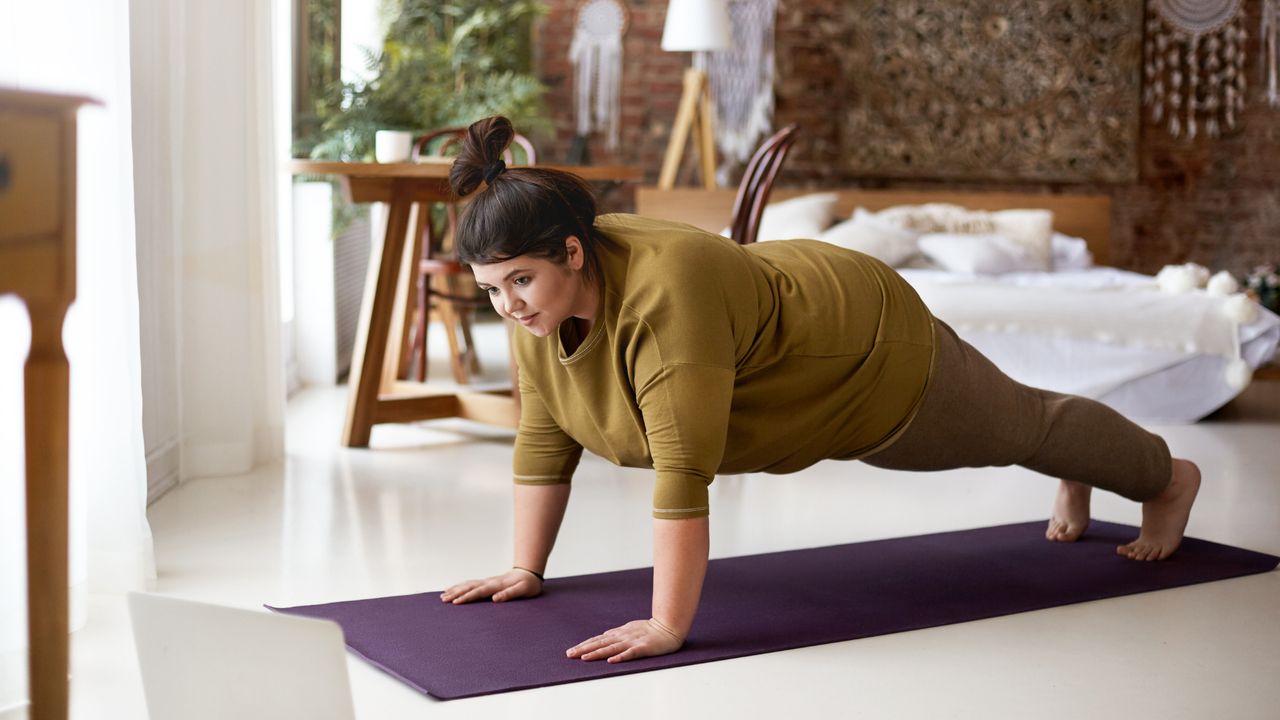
[{"x": 507, "y": 586}]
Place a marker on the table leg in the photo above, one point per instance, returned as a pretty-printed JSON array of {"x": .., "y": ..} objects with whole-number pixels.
[
  {"x": 401, "y": 312},
  {"x": 408, "y": 337},
  {"x": 375, "y": 323},
  {"x": 47, "y": 407}
]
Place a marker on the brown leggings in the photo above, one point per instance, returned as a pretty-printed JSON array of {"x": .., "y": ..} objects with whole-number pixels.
[{"x": 973, "y": 415}]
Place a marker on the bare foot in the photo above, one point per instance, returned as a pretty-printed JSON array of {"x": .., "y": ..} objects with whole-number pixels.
[
  {"x": 1070, "y": 512},
  {"x": 1165, "y": 518}
]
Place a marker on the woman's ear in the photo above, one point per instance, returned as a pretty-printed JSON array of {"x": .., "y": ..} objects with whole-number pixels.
[{"x": 575, "y": 256}]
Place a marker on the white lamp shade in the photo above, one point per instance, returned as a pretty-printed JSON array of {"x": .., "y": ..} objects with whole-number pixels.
[{"x": 696, "y": 25}]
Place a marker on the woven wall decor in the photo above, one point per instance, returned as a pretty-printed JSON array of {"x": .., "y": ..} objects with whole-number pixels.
[
  {"x": 1044, "y": 90},
  {"x": 742, "y": 83},
  {"x": 1195, "y": 65}
]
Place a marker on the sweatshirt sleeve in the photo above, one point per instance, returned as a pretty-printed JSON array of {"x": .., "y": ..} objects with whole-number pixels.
[
  {"x": 686, "y": 415},
  {"x": 544, "y": 453},
  {"x": 684, "y": 350}
]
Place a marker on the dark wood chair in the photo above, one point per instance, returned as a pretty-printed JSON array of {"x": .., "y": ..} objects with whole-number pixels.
[
  {"x": 445, "y": 287},
  {"x": 757, "y": 182}
]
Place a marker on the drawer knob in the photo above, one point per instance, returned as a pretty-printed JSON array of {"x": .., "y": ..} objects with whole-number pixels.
[{"x": 4, "y": 173}]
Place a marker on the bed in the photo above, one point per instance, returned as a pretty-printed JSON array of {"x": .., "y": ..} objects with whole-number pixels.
[{"x": 1076, "y": 325}]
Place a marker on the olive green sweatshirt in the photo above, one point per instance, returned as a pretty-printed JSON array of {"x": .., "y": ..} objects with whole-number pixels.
[{"x": 711, "y": 357}]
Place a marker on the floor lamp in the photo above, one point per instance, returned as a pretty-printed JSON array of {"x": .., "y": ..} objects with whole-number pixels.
[{"x": 697, "y": 26}]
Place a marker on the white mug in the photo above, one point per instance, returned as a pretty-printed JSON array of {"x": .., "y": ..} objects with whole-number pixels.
[{"x": 392, "y": 146}]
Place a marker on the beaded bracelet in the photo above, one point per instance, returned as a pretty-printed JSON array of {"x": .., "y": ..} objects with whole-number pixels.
[{"x": 537, "y": 575}]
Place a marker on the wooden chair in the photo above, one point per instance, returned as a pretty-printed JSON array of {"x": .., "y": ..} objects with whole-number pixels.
[
  {"x": 445, "y": 286},
  {"x": 757, "y": 182}
]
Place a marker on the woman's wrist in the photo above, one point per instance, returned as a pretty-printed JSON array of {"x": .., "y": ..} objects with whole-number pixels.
[
  {"x": 531, "y": 572},
  {"x": 666, "y": 629}
]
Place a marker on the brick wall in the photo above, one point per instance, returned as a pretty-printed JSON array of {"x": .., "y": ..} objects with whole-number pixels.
[{"x": 1216, "y": 202}]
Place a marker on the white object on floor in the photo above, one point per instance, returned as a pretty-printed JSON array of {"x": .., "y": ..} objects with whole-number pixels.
[
  {"x": 315, "y": 331},
  {"x": 200, "y": 661}
]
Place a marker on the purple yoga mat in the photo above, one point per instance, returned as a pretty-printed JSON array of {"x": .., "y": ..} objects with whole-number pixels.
[{"x": 763, "y": 603}]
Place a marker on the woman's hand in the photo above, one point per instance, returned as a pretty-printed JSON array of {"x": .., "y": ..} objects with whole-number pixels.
[
  {"x": 507, "y": 586},
  {"x": 636, "y": 639}
]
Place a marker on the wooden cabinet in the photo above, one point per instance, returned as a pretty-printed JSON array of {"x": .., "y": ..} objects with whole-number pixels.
[
  {"x": 37, "y": 262},
  {"x": 29, "y": 147}
]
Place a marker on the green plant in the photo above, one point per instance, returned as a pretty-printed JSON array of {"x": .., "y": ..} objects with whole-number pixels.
[{"x": 443, "y": 64}]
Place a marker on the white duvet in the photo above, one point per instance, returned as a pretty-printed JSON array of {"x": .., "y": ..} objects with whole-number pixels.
[{"x": 1107, "y": 334}]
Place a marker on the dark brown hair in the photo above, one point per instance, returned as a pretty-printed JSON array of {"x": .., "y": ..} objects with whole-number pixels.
[{"x": 522, "y": 211}]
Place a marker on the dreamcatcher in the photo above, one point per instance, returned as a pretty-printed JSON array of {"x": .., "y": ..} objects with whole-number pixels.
[
  {"x": 596, "y": 54},
  {"x": 1195, "y": 64},
  {"x": 742, "y": 82}
]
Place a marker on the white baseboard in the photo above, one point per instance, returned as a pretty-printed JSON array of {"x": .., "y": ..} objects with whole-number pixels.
[{"x": 163, "y": 465}]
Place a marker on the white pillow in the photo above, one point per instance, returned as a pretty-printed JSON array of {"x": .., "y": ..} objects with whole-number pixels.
[
  {"x": 937, "y": 218},
  {"x": 977, "y": 254},
  {"x": 1032, "y": 229},
  {"x": 1070, "y": 253},
  {"x": 800, "y": 217},
  {"x": 878, "y": 238}
]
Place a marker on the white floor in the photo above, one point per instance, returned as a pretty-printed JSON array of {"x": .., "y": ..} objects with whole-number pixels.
[{"x": 428, "y": 505}]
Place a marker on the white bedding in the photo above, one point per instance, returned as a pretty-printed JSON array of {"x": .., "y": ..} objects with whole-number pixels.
[
  {"x": 1107, "y": 334},
  {"x": 1112, "y": 335}
]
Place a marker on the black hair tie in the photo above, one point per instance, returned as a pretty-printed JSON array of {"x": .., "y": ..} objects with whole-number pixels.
[{"x": 493, "y": 170}]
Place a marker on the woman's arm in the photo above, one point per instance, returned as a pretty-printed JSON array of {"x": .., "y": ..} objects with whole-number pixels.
[
  {"x": 679, "y": 565},
  {"x": 538, "y": 512},
  {"x": 539, "y": 509},
  {"x": 680, "y": 549}
]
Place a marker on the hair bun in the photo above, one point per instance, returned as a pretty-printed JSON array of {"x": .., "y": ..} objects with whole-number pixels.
[{"x": 485, "y": 142}]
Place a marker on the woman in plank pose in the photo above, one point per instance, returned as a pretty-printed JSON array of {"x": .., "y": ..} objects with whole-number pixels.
[{"x": 655, "y": 344}]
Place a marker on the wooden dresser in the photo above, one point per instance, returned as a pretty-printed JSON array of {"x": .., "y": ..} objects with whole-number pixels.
[{"x": 38, "y": 263}]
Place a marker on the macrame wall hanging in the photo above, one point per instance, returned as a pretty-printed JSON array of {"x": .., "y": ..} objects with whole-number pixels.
[
  {"x": 1271, "y": 48},
  {"x": 1195, "y": 64},
  {"x": 596, "y": 54},
  {"x": 742, "y": 83}
]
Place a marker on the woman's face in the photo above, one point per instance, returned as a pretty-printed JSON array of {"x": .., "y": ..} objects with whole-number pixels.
[{"x": 535, "y": 292}]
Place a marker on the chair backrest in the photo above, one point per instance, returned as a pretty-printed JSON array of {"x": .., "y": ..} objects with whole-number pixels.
[
  {"x": 757, "y": 182},
  {"x": 453, "y": 139}
]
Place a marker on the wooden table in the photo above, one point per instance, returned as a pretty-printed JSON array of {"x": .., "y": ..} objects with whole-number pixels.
[
  {"x": 38, "y": 263},
  {"x": 375, "y": 394}
]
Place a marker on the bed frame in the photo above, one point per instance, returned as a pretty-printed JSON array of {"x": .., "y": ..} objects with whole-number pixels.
[{"x": 1084, "y": 216}]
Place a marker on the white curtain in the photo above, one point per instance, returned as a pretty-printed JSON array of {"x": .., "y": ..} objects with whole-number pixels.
[
  {"x": 228, "y": 184},
  {"x": 80, "y": 47}
]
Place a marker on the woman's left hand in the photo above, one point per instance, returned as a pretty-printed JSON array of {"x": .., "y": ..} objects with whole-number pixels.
[{"x": 636, "y": 639}]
